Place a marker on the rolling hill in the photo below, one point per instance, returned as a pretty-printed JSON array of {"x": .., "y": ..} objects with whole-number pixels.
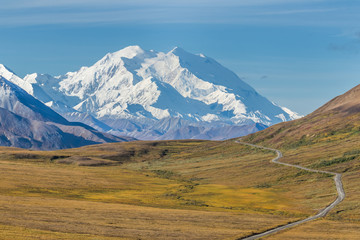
[
  {"x": 186, "y": 189},
  {"x": 340, "y": 117},
  {"x": 327, "y": 139}
]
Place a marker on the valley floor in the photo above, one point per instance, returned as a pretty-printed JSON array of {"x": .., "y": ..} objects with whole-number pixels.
[{"x": 157, "y": 190}]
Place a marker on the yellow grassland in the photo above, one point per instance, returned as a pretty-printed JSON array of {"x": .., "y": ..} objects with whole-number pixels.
[
  {"x": 152, "y": 190},
  {"x": 320, "y": 229},
  {"x": 325, "y": 142}
]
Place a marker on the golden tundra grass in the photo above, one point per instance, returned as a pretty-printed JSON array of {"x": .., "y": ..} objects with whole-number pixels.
[
  {"x": 337, "y": 156},
  {"x": 326, "y": 142},
  {"x": 320, "y": 229},
  {"x": 152, "y": 190}
]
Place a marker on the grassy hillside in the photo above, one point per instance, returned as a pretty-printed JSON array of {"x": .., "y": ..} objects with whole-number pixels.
[
  {"x": 152, "y": 190},
  {"x": 327, "y": 139},
  {"x": 340, "y": 155}
]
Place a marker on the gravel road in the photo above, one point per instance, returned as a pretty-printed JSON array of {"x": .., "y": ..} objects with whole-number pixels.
[{"x": 321, "y": 213}]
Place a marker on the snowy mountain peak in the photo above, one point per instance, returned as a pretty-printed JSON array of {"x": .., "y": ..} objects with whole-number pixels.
[
  {"x": 31, "y": 78},
  {"x": 37, "y": 78},
  {"x": 145, "y": 86},
  {"x": 26, "y": 122},
  {"x": 12, "y": 77},
  {"x": 182, "y": 53},
  {"x": 3, "y": 67},
  {"x": 178, "y": 50},
  {"x": 128, "y": 52},
  {"x": 15, "y": 99},
  {"x": 6, "y": 72}
]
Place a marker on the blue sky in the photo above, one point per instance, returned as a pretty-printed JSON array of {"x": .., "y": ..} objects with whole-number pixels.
[{"x": 298, "y": 53}]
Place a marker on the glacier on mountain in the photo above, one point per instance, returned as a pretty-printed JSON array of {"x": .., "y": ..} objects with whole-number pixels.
[{"x": 143, "y": 87}]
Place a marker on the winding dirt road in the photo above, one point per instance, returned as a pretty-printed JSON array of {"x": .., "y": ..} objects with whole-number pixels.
[{"x": 322, "y": 213}]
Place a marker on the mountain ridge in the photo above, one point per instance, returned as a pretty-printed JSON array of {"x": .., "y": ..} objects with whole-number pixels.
[
  {"x": 27, "y": 123},
  {"x": 147, "y": 86},
  {"x": 348, "y": 103},
  {"x": 341, "y": 115}
]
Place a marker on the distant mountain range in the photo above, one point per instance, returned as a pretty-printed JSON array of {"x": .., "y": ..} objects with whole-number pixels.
[
  {"x": 153, "y": 95},
  {"x": 27, "y": 123}
]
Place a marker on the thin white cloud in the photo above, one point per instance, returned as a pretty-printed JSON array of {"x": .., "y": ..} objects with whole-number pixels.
[
  {"x": 298, "y": 11},
  {"x": 246, "y": 12},
  {"x": 23, "y": 4}
]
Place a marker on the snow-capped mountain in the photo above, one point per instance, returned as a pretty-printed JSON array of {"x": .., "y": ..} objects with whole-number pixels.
[
  {"x": 143, "y": 88},
  {"x": 26, "y": 122}
]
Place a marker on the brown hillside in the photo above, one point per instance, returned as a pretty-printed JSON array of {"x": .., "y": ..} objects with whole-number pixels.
[
  {"x": 340, "y": 117},
  {"x": 327, "y": 139},
  {"x": 348, "y": 102}
]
